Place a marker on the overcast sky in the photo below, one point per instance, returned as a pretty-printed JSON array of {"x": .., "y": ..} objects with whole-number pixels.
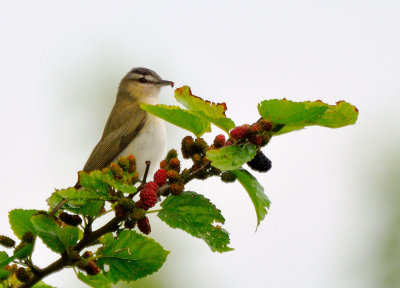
[{"x": 60, "y": 67}]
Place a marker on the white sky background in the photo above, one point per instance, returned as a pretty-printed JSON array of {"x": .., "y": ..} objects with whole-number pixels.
[{"x": 60, "y": 67}]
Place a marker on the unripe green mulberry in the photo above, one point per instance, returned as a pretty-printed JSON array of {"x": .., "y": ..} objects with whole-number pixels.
[{"x": 171, "y": 154}]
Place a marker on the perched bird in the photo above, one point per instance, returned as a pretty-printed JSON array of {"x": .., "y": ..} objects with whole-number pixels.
[{"x": 130, "y": 130}]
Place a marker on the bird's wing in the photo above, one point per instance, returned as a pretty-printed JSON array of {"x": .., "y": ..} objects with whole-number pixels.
[{"x": 121, "y": 128}]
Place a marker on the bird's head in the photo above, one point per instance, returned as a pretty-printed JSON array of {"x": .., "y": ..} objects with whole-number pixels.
[{"x": 142, "y": 84}]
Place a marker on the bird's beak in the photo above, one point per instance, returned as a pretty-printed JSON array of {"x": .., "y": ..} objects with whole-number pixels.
[{"x": 165, "y": 83}]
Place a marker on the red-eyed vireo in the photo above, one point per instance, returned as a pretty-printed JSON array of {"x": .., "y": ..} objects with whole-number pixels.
[{"x": 130, "y": 130}]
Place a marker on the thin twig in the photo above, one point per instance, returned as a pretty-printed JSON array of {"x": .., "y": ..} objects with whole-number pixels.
[
  {"x": 146, "y": 172},
  {"x": 58, "y": 206}
]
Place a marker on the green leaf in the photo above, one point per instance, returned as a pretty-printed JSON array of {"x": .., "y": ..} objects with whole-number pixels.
[
  {"x": 196, "y": 215},
  {"x": 42, "y": 285},
  {"x": 3, "y": 258},
  {"x": 22, "y": 253},
  {"x": 68, "y": 235},
  {"x": 231, "y": 157},
  {"x": 256, "y": 192},
  {"x": 47, "y": 230},
  {"x": 120, "y": 186},
  {"x": 4, "y": 274},
  {"x": 212, "y": 112},
  {"x": 179, "y": 117},
  {"x": 130, "y": 256},
  {"x": 55, "y": 237},
  {"x": 297, "y": 115},
  {"x": 97, "y": 281},
  {"x": 339, "y": 115},
  {"x": 94, "y": 182},
  {"x": 20, "y": 221},
  {"x": 83, "y": 202}
]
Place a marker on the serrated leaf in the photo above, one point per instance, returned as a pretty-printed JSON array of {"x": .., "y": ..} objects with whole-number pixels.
[
  {"x": 83, "y": 202},
  {"x": 47, "y": 229},
  {"x": 20, "y": 221},
  {"x": 94, "y": 182},
  {"x": 256, "y": 192},
  {"x": 55, "y": 237},
  {"x": 297, "y": 115},
  {"x": 179, "y": 117},
  {"x": 196, "y": 215},
  {"x": 231, "y": 157},
  {"x": 130, "y": 256},
  {"x": 97, "y": 281},
  {"x": 212, "y": 112}
]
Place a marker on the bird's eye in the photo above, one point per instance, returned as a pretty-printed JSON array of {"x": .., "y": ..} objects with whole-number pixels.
[{"x": 142, "y": 80}]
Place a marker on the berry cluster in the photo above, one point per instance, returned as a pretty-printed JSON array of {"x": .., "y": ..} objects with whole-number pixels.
[
  {"x": 258, "y": 133},
  {"x": 196, "y": 151},
  {"x": 174, "y": 178},
  {"x": 124, "y": 170}
]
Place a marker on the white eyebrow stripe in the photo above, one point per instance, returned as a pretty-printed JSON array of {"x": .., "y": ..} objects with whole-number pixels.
[
  {"x": 136, "y": 76},
  {"x": 150, "y": 78}
]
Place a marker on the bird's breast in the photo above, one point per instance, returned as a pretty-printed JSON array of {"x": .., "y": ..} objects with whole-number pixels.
[{"x": 149, "y": 144}]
